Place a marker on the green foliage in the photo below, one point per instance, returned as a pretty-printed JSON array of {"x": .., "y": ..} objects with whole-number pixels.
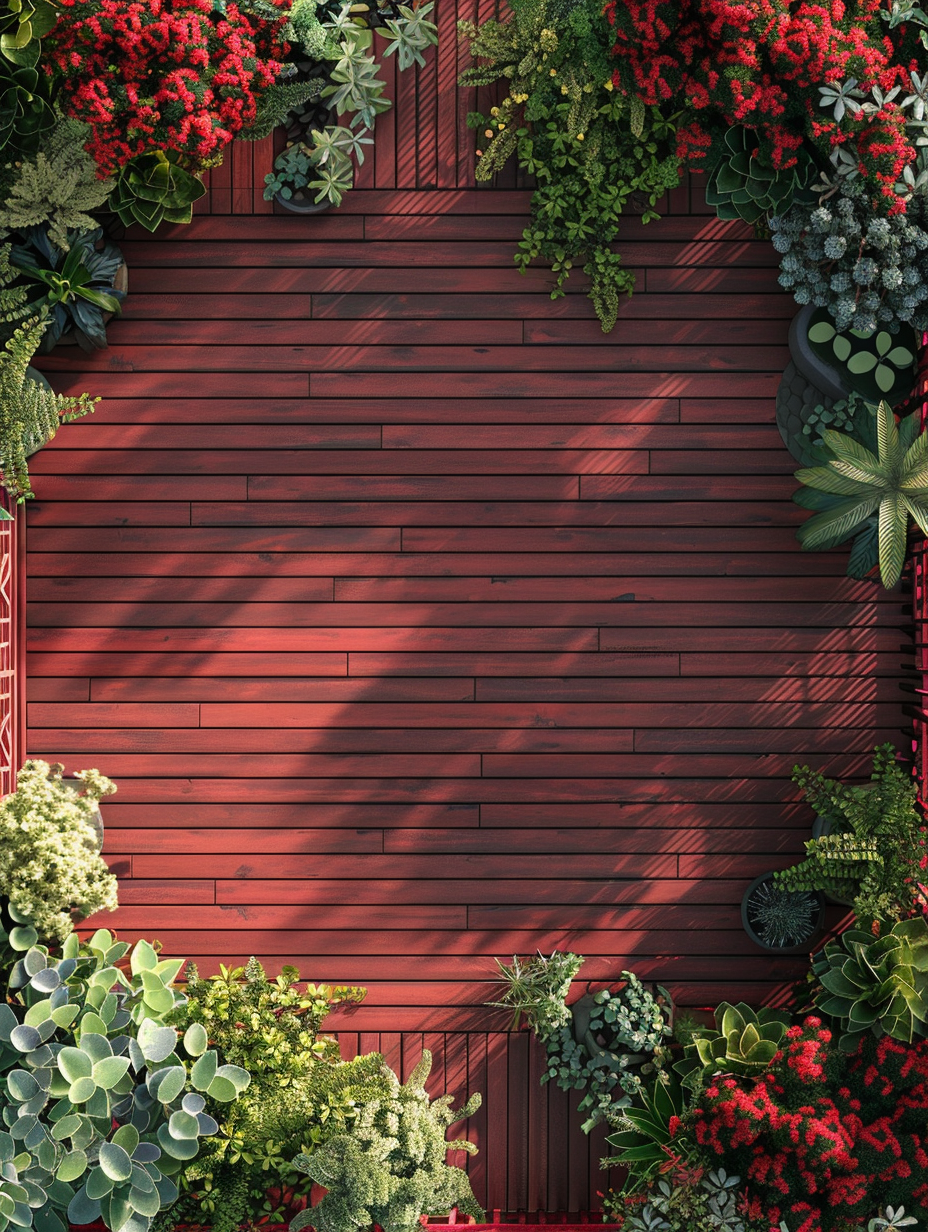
[
  {"x": 58, "y": 187},
  {"x": 276, "y": 104},
  {"x": 389, "y": 1166},
  {"x": 741, "y": 185},
  {"x": 875, "y": 842},
  {"x": 30, "y": 414},
  {"x": 76, "y": 286},
  {"x": 297, "y": 1096},
  {"x": 874, "y": 362},
  {"x": 743, "y": 1041},
  {"x": 876, "y": 983},
  {"x": 780, "y": 918},
  {"x": 410, "y": 34},
  {"x": 102, "y": 1098},
  {"x": 589, "y": 147},
  {"x": 21, "y": 22},
  {"x": 153, "y": 188},
  {"x": 26, "y": 109},
  {"x": 645, "y": 1134},
  {"x": 538, "y": 987},
  {"x": 855, "y": 484},
  {"x": 702, "y": 1202},
  {"x": 50, "y": 867}
]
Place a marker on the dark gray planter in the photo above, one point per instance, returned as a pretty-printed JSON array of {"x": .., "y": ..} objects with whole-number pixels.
[
  {"x": 795, "y": 938},
  {"x": 298, "y": 204}
]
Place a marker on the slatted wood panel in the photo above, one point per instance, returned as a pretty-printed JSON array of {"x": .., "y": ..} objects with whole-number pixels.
[{"x": 421, "y": 624}]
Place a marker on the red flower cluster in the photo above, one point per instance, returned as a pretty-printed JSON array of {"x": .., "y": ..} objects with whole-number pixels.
[
  {"x": 760, "y": 63},
  {"x": 825, "y": 1138},
  {"x": 182, "y": 75}
]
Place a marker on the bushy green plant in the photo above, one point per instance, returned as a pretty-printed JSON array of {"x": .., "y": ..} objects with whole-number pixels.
[
  {"x": 876, "y": 984},
  {"x": 51, "y": 871},
  {"x": 743, "y": 1041},
  {"x": 271, "y": 1028},
  {"x": 58, "y": 187},
  {"x": 867, "y": 270},
  {"x": 876, "y": 841},
  {"x": 538, "y": 988},
  {"x": 589, "y": 147},
  {"x": 856, "y": 484},
  {"x": 97, "y": 1093},
  {"x": 389, "y": 1167}
]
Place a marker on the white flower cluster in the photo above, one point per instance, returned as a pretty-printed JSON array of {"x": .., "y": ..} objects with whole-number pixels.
[{"x": 51, "y": 870}]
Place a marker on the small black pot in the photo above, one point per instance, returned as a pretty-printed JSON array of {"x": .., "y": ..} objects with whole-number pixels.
[
  {"x": 822, "y": 375},
  {"x": 791, "y": 939},
  {"x": 298, "y": 204}
]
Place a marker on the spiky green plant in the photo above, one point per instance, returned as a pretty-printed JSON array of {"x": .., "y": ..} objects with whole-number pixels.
[{"x": 856, "y": 484}]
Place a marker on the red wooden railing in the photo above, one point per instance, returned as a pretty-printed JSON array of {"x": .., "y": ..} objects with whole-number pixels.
[{"x": 12, "y": 648}]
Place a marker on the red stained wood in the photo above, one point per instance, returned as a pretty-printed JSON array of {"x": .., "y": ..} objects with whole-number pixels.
[{"x": 422, "y": 624}]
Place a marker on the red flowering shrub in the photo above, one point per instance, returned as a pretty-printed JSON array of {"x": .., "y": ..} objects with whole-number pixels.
[
  {"x": 181, "y": 75},
  {"x": 760, "y": 63},
  {"x": 823, "y": 1137}
]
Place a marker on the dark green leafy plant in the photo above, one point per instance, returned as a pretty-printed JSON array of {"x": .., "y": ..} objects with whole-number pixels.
[
  {"x": 76, "y": 287},
  {"x": 590, "y": 148},
  {"x": 742, "y": 186},
  {"x": 27, "y": 112},
  {"x": 855, "y": 485},
  {"x": 96, "y": 1095},
  {"x": 874, "y": 844},
  {"x": 21, "y": 22},
  {"x": 690, "y": 1200},
  {"x": 876, "y": 984},
  {"x": 743, "y": 1041},
  {"x": 153, "y": 188},
  {"x": 781, "y": 918},
  {"x": 389, "y": 1167}
]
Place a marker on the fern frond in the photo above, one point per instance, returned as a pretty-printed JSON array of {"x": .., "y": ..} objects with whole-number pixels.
[{"x": 277, "y": 103}]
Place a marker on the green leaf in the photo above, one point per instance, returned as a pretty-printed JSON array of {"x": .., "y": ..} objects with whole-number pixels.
[
  {"x": 884, "y": 377},
  {"x": 861, "y": 362},
  {"x": 204, "y": 1071},
  {"x": 183, "y": 1125},
  {"x": 93, "y": 1024},
  {"x": 81, "y": 1090},
  {"x": 143, "y": 958},
  {"x": 222, "y": 1090},
  {"x": 827, "y": 479},
  {"x": 99, "y": 1184},
  {"x": 127, "y": 1136},
  {"x": 107, "y": 1073},
  {"x": 72, "y": 1166},
  {"x": 901, "y": 357},
  {"x": 166, "y": 1084},
  {"x": 196, "y": 1040},
  {"x": 156, "y": 1042},
  {"x": 894, "y": 522},
  {"x": 115, "y": 1161},
  {"x": 74, "y": 1063},
  {"x": 827, "y": 530},
  {"x": 83, "y": 1209},
  {"x": 822, "y": 331}
]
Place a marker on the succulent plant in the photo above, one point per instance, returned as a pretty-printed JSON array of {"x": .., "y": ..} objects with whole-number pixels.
[
  {"x": 152, "y": 189},
  {"x": 743, "y": 1041},
  {"x": 741, "y": 186},
  {"x": 644, "y": 1133},
  {"x": 97, "y": 1097},
  {"x": 877, "y": 984}
]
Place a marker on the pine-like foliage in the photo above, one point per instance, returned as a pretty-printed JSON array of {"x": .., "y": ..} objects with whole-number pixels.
[
  {"x": 390, "y": 1167},
  {"x": 276, "y": 104},
  {"x": 30, "y": 414},
  {"x": 59, "y": 186}
]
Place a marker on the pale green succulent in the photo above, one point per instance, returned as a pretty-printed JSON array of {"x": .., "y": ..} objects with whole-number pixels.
[
  {"x": 855, "y": 484},
  {"x": 743, "y": 1041}
]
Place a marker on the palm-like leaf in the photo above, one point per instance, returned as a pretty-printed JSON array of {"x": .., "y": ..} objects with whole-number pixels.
[{"x": 893, "y": 484}]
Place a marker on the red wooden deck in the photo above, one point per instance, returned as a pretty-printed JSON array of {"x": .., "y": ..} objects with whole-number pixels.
[{"x": 422, "y": 624}]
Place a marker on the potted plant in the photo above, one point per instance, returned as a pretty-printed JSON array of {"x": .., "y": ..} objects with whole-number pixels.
[
  {"x": 871, "y": 846},
  {"x": 316, "y": 168},
  {"x": 81, "y": 286},
  {"x": 781, "y": 921}
]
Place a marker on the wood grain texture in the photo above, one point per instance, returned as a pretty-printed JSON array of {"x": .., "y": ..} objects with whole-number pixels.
[{"x": 422, "y": 624}]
